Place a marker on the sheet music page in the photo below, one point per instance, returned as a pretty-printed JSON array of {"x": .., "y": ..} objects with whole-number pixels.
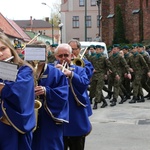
[
  {"x": 8, "y": 71},
  {"x": 35, "y": 52}
]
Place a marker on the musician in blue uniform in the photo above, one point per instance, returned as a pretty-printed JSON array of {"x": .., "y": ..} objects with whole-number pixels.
[
  {"x": 79, "y": 125},
  {"x": 17, "y": 118},
  {"x": 89, "y": 69},
  {"x": 52, "y": 89}
]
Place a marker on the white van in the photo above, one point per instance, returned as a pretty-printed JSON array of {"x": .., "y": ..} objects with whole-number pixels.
[{"x": 85, "y": 44}]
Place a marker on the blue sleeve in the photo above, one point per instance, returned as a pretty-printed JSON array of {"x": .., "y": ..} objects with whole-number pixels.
[
  {"x": 56, "y": 94},
  {"x": 79, "y": 83},
  {"x": 88, "y": 68},
  {"x": 18, "y": 100}
]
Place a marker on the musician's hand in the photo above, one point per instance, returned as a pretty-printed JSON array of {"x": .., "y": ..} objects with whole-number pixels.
[
  {"x": 131, "y": 70},
  {"x": 39, "y": 90},
  {"x": 59, "y": 66},
  {"x": 1, "y": 86},
  {"x": 105, "y": 77},
  {"x": 94, "y": 70},
  {"x": 129, "y": 76},
  {"x": 148, "y": 74},
  {"x": 67, "y": 72},
  {"x": 117, "y": 77}
]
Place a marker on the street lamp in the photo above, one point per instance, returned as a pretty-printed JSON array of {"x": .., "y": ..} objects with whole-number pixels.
[
  {"x": 98, "y": 4},
  {"x": 85, "y": 19},
  {"x": 60, "y": 27},
  {"x": 52, "y": 22}
]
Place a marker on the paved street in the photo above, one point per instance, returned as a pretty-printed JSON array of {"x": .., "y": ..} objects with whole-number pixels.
[{"x": 123, "y": 127}]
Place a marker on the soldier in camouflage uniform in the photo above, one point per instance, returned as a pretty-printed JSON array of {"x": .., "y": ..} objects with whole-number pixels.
[
  {"x": 137, "y": 64},
  {"x": 91, "y": 52},
  {"x": 51, "y": 58},
  {"x": 119, "y": 63},
  {"x": 109, "y": 79},
  {"x": 101, "y": 65},
  {"x": 145, "y": 78},
  {"x": 127, "y": 81}
]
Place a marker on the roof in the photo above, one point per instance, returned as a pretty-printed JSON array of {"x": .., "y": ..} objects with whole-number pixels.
[
  {"x": 19, "y": 30},
  {"x": 33, "y": 23},
  {"x": 7, "y": 28}
]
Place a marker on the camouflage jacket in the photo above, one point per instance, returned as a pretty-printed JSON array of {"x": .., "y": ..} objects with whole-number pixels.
[
  {"x": 101, "y": 66},
  {"x": 120, "y": 64},
  {"x": 137, "y": 63}
]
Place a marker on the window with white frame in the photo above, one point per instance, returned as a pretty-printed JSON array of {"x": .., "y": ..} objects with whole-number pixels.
[
  {"x": 81, "y": 2},
  {"x": 88, "y": 22},
  {"x": 93, "y": 2},
  {"x": 75, "y": 21}
]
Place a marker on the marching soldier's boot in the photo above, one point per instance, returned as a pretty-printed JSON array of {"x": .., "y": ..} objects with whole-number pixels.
[
  {"x": 123, "y": 99},
  {"x": 141, "y": 99},
  {"x": 104, "y": 103},
  {"x": 109, "y": 95},
  {"x": 148, "y": 98},
  {"x": 134, "y": 99},
  {"x": 113, "y": 103},
  {"x": 95, "y": 105},
  {"x": 128, "y": 96}
]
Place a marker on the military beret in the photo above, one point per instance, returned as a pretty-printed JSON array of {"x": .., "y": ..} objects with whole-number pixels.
[
  {"x": 47, "y": 43},
  {"x": 102, "y": 47},
  {"x": 134, "y": 45},
  {"x": 92, "y": 46},
  {"x": 125, "y": 47},
  {"x": 140, "y": 45},
  {"x": 54, "y": 45},
  {"x": 116, "y": 45},
  {"x": 98, "y": 46}
]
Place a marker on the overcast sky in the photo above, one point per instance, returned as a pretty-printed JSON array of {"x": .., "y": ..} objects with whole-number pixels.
[{"x": 23, "y": 9}]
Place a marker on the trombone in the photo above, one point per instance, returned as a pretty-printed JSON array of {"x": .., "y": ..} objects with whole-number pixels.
[
  {"x": 79, "y": 60},
  {"x": 31, "y": 41}
]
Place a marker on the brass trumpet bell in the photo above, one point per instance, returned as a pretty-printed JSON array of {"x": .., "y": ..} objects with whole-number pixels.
[
  {"x": 78, "y": 62},
  {"x": 37, "y": 106}
]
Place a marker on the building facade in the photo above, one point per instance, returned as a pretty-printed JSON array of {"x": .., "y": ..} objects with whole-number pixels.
[
  {"x": 136, "y": 19},
  {"x": 73, "y": 18}
]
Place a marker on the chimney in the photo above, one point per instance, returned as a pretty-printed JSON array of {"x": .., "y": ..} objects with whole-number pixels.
[
  {"x": 31, "y": 21},
  {"x": 47, "y": 19}
]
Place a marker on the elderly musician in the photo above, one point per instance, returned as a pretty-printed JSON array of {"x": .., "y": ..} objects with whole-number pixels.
[
  {"x": 17, "y": 118},
  {"x": 79, "y": 124},
  {"x": 52, "y": 90}
]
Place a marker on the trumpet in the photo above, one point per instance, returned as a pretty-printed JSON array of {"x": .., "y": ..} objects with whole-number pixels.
[
  {"x": 64, "y": 66},
  {"x": 79, "y": 60}
]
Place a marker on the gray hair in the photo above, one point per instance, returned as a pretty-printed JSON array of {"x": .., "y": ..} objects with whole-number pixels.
[
  {"x": 63, "y": 45},
  {"x": 75, "y": 41}
]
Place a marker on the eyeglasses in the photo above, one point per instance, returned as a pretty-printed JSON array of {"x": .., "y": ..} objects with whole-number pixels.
[
  {"x": 75, "y": 48},
  {"x": 63, "y": 55}
]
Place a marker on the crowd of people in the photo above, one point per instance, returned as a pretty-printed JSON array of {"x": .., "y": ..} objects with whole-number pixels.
[
  {"x": 126, "y": 70},
  {"x": 62, "y": 121},
  {"x": 65, "y": 85}
]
